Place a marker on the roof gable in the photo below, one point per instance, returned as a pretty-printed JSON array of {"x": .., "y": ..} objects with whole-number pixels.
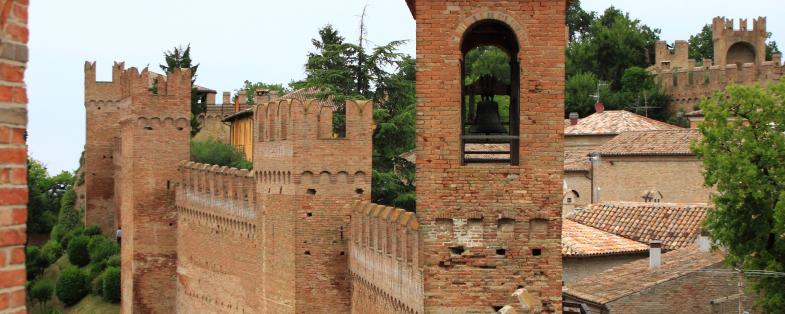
[
  {"x": 612, "y": 122},
  {"x": 648, "y": 143}
]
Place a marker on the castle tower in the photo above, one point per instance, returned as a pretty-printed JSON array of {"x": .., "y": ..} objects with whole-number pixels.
[
  {"x": 154, "y": 139},
  {"x": 489, "y": 191},
  {"x": 739, "y": 46},
  {"x": 103, "y": 106},
  {"x": 306, "y": 177}
]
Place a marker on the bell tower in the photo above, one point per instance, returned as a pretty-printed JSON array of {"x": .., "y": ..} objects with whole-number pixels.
[{"x": 490, "y": 95}]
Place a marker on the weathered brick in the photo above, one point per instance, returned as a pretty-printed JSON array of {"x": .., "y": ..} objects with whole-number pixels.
[
  {"x": 12, "y": 278},
  {"x": 12, "y": 236}
]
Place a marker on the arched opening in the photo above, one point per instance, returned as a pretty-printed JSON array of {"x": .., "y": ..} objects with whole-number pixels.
[
  {"x": 490, "y": 83},
  {"x": 740, "y": 53}
]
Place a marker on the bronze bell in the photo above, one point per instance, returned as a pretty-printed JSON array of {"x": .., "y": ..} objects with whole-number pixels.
[{"x": 487, "y": 119}]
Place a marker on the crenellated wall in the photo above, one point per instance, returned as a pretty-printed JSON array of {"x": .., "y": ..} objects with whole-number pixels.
[
  {"x": 384, "y": 260},
  {"x": 218, "y": 268}
]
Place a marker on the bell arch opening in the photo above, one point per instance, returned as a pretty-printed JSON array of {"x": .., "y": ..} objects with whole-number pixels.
[
  {"x": 490, "y": 94},
  {"x": 740, "y": 53}
]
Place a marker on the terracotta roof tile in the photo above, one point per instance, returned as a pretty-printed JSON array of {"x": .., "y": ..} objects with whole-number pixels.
[
  {"x": 611, "y": 122},
  {"x": 633, "y": 277},
  {"x": 676, "y": 225},
  {"x": 579, "y": 240},
  {"x": 576, "y": 161},
  {"x": 647, "y": 143}
]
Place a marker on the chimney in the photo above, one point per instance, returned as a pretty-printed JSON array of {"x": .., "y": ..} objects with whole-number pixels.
[
  {"x": 241, "y": 99},
  {"x": 210, "y": 98},
  {"x": 227, "y": 99},
  {"x": 573, "y": 118},
  {"x": 599, "y": 107},
  {"x": 703, "y": 242},
  {"x": 655, "y": 253},
  {"x": 262, "y": 96},
  {"x": 777, "y": 58}
]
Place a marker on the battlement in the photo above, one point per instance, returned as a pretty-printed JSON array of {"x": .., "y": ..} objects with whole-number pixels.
[
  {"x": 676, "y": 59},
  {"x": 385, "y": 254},
  {"x": 227, "y": 195},
  {"x": 722, "y": 26},
  {"x": 292, "y": 119}
]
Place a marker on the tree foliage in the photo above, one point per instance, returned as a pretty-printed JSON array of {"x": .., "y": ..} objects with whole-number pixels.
[
  {"x": 250, "y": 89},
  {"x": 180, "y": 58},
  {"x": 214, "y": 152},
  {"x": 41, "y": 291},
  {"x": 702, "y": 44},
  {"x": 45, "y": 193},
  {"x": 72, "y": 286},
  {"x": 78, "y": 252},
  {"x": 111, "y": 285},
  {"x": 743, "y": 152}
]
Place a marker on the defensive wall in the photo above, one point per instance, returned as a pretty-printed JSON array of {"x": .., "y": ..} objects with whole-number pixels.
[
  {"x": 385, "y": 260},
  {"x": 739, "y": 58}
]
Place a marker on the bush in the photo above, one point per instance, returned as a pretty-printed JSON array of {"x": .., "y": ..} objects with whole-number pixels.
[
  {"x": 92, "y": 230},
  {"x": 113, "y": 261},
  {"x": 41, "y": 291},
  {"x": 78, "y": 254},
  {"x": 215, "y": 152},
  {"x": 72, "y": 286},
  {"x": 111, "y": 285},
  {"x": 34, "y": 263},
  {"x": 51, "y": 251},
  {"x": 95, "y": 269},
  {"x": 98, "y": 285},
  {"x": 102, "y": 248},
  {"x": 57, "y": 233}
]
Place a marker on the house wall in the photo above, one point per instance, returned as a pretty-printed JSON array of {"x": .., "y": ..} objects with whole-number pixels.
[
  {"x": 678, "y": 178},
  {"x": 577, "y": 268},
  {"x": 577, "y": 181},
  {"x": 585, "y": 143},
  {"x": 241, "y": 136}
]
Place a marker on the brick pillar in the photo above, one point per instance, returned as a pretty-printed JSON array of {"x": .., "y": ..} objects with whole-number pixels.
[{"x": 13, "y": 153}]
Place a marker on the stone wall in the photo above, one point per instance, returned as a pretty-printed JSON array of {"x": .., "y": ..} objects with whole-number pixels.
[
  {"x": 678, "y": 178},
  {"x": 385, "y": 261},
  {"x": 13, "y": 154},
  {"x": 489, "y": 229},
  {"x": 218, "y": 268}
]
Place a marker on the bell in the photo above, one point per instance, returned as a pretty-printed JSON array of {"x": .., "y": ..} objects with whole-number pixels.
[{"x": 487, "y": 119}]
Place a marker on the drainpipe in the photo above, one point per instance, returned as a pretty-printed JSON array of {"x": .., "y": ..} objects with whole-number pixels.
[{"x": 594, "y": 159}]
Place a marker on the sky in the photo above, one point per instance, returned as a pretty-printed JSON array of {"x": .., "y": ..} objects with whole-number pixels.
[{"x": 235, "y": 40}]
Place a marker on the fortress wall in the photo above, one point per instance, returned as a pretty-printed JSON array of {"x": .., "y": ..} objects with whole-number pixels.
[{"x": 385, "y": 261}]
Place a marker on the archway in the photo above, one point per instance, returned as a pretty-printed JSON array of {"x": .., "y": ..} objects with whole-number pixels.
[{"x": 741, "y": 52}]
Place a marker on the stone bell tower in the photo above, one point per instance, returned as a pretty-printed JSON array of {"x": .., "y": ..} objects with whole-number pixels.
[{"x": 489, "y": 153}]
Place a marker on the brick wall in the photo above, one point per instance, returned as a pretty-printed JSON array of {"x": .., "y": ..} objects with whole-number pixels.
[
  {"x": 483, "y": 224},
  {"x": 13, "y": 153},
  {"x": 217, "y": 248},
  {"x": 385, "y": 261},
  {"x": 679, "y": 179}
]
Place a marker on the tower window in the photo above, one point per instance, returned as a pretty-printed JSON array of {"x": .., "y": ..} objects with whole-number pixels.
[{"x": 490, "y": 94}]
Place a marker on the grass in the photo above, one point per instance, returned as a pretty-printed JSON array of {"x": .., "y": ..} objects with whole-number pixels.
[{"x": 91, "y": 304}]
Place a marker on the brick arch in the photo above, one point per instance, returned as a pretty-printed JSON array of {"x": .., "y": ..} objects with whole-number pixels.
[{"x": 520, "y": 31}]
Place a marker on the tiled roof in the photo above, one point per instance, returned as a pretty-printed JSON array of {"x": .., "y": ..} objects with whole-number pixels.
[
  {"x": 676, "y": 225},
  {"x": 576, "y": 161},
  {"x": 304, "y": 94},
  {"x": 648, "y": 143},
  {"x": 636, "y": 276},
  {"x": 612, "y": 122},
  {"x": 580, "y": 240}
]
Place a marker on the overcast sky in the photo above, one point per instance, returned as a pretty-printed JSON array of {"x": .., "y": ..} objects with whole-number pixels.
[{"x": 244, "y": 40}]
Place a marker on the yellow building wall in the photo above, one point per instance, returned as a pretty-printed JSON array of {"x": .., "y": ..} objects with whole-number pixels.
[{"x": 241, "y": 136}]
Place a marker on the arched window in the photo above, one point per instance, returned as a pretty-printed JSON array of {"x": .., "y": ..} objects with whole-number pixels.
[{"x": 490, "y": 95}]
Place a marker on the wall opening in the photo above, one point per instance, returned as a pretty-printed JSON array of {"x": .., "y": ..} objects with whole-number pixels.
[
  {"x": 501, "y": 252},
  {"x": 457, "y": 250},
  {"x": 740, "y": 53},
  {"x": 536, "y": 252},
  {"x": 311, "y": 191}
]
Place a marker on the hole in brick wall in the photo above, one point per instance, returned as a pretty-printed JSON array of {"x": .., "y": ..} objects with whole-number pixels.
[
  {"x": 168, "y": 184},
  {"x": 520, "y": 287},
  {"x": 179, "y": 128},
  {"x": 359, "y": 191},
  {"x": 334, "y": 242},
  {"x": 171, "y": 224},
  {"x": 536, "y": 252},
  {"x": 307, "y": 252},
  {"x": 497, "y": 308},
  {"x": 309, "y": 214},
  {"x": 457, "y": 250},
  {"x": 342, "y": 253},
  {"x": 280, "y": 190},
  {"x": 148, "y": 128},
  {"x": 268, "y": 191},
  {"x": 501, "y": 252},
  {"x": 99, "y": 108},
  {"x": 341, "y": 230},
  {"x": 311, "y": 191}
]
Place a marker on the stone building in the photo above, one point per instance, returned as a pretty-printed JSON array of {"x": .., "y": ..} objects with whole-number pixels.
[
  {"x": 688, "y": 280},
  {"x": 651, "y": 166},
  {"x": 739, "y": 58},
  {"x": 13, "y": 155}
]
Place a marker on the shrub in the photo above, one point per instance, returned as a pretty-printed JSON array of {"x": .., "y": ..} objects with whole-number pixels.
[
  {"x": 78, "y": 253},
  {"x": 92, "y": 230},
  {"x": 72, "y": 286},
  {"x": 102, "y": 248},
  {"x": 113, "y": 261},
  {"x": 98, "y": 285},
  {"x": 41, "y": 291},
  {"x": 51, "y": 251},
  {"x": 70, "y": 234},
  {"x": 95, "y": 269},
  {"x": 34, "y": 263},
  {"x": 215, "y": 152},
  {"x": 111, "y": 285},
  {"x": 56, "y": 233}
]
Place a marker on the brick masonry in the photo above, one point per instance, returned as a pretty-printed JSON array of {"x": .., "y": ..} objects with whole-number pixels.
[
  {"x": 13, "y": 154},
  {"x": 679, "y": 179},
  {"x": 486, "y": 209}
]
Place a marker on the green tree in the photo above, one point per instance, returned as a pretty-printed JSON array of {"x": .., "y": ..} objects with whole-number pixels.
[
  {"x": 743, "y": 149},
  {"x": 578, "y": 20},
  {"x": 180, "y": 58},
  {"x": 44, "y": 195},
  {"x": 72, "y": 286},
  {"x": 78, "y": 252},
  {"x": 214, "y": 152},
  {"x": 771, "y": 47},
  {"x": 250, "y": 89},
  {"x": 702, "y": 44},
  {"x": 111, "y": 285},
  {"x": 41, "y": 291}
]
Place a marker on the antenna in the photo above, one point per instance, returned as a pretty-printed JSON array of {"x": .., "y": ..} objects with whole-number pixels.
[
  {"x": 596, "y": 96},
  {"x": 645, "y": 106}
]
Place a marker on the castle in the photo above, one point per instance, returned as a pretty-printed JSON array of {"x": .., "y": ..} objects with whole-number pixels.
[
  {"x": 739, "y": 58},
  {"x": 297, "y": 234}
]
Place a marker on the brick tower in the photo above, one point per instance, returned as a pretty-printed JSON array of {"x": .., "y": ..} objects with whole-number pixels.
[
  {"x": 103, "y": 109},
  {"x": 154, "y": 139},
  {"x": 488, "y": 196},
  {"x": 306, "y": 177},
  {"x": 739, "y": 46}
]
